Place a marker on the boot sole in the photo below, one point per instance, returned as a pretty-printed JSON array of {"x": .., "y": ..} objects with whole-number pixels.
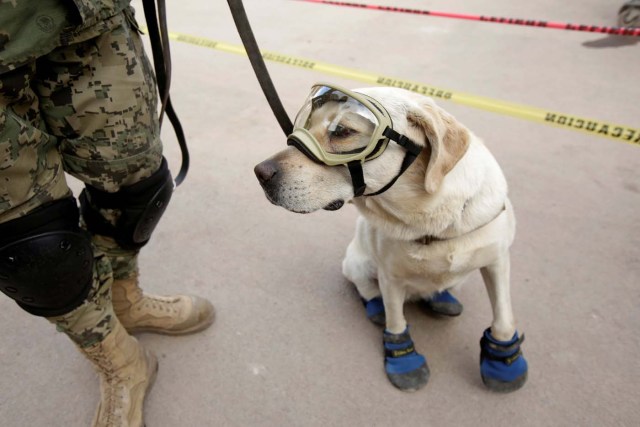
[
  {"x": 505, "y": 387},
  {"x": 412, "y": 381},
  {"x": 443, "y": 309}
]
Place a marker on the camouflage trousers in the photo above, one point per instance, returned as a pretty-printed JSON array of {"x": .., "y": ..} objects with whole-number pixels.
[{"x": 87, "y": 108}]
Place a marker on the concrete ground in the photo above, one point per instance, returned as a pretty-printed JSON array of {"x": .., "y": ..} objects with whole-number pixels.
[{"x": 291, "y": 345}]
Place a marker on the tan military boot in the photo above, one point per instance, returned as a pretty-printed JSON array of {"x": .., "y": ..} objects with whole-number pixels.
[
  {"x": 126, "y": 372},
  {"x": 170, "y": 315}
]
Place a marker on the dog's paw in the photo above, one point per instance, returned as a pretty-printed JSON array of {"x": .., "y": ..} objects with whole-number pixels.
[
  {"x": 502, "y": 365},
  {"x": 375, "y": 310},
  {"x": 443, "y": 303},
  {"x": 406, "y": 368}
]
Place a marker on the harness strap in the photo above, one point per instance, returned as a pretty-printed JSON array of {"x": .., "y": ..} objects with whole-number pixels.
[
  {"x": 159, "y": 37},
  {"x": 501, "y": 353}
]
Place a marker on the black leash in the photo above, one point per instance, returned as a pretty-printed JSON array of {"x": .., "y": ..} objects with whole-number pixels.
[
  {"x": 159, "y": 37},
  {"x": 259, "y": 67},
  {"x": 261, "y": 72}
]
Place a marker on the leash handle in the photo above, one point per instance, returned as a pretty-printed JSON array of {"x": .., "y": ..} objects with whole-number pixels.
[{"x": 259, "y": 67}]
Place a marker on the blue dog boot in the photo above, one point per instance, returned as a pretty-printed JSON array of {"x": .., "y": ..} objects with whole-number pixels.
[
  {"x": 443, "y": 303},
  {"x": 375, "y": 310},
  {"x": 502, "y": 365},
  {"x": 406, "y": 369}
]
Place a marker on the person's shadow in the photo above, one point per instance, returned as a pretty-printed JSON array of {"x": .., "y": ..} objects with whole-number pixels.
[{"x": 612, "y": 41}]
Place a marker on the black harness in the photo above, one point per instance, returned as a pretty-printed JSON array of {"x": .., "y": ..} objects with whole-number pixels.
[
  {"x": 357, "y": 175},
  {"x": 355, "y": 167}
]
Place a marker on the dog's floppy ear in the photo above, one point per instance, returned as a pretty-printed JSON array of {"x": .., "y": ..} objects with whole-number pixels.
[{"x": 447, "y": 137}]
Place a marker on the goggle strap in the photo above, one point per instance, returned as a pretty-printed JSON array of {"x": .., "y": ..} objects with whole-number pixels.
[
  {"x": 409, "y": 158},
  {"x": 357, "y": 177},
  {"x": 302, "y": 148},
  {"x": 405, "y": 142},
  {"x": 376, "y": 150},
  {"x": 355, "y": 167}
]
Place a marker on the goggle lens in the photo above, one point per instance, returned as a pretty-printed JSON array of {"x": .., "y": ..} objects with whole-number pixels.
[{"x": 340, "y": 123}]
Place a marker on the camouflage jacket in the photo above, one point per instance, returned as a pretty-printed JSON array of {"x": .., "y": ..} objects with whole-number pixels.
[
  {"x": 32, "y": 28},
  {"x": 91, "y": 11}
]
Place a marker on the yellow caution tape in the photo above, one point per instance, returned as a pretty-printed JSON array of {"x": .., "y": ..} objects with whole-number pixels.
[{"x": 591, "y": 126}]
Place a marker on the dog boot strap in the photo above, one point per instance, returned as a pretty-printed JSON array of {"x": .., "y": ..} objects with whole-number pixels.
[
  {"x": 502, "y": 351},
  {"x": 400, "y": 353}
]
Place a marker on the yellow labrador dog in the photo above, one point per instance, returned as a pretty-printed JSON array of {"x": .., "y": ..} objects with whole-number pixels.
[{"x": 433, "y": 209}]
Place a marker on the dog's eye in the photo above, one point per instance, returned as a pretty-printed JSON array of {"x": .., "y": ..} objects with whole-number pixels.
[{"x": 341, "y": 132}]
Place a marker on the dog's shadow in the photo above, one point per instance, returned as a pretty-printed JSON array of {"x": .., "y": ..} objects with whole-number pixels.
[{"x": 612, "y": 41}]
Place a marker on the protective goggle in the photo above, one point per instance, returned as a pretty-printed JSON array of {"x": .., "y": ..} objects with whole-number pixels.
[{"x": 336, "y": 126}]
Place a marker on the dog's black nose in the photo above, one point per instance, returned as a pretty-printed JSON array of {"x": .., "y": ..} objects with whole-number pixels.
[{"x": 265, "y": 171}]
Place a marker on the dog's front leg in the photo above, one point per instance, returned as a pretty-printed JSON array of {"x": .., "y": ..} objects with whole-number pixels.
[
  {"x": 405, "y": 367},
  {"x": 496, "y": 280},
  {"x": 502, "y": 366},
  {"x": 393, "y": 296}
]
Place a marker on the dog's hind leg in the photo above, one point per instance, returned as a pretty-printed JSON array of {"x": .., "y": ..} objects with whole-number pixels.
[
  {"x": 360, "y": 269},
  {"x": 502, "y": 366}
]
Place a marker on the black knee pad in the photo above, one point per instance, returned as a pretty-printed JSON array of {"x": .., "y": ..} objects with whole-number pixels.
[
  {"x": 46, "y": 260},
  {"x": 141, "y": 206}
]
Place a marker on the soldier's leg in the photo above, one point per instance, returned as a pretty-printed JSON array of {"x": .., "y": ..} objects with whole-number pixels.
[
  {"x": 47, "y": 262},
  {"x": 100, "y": 98},
  {"x": 35, "y": 206}
]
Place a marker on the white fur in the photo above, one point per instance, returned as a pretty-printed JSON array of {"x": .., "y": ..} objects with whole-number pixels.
[{"x": 466, "y": 207}]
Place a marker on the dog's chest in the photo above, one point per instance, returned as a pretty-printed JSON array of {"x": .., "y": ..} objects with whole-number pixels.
[{"x": 432, "y": 267}]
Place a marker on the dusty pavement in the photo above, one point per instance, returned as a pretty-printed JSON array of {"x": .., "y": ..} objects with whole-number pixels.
[{"x": 291, "y": 345}]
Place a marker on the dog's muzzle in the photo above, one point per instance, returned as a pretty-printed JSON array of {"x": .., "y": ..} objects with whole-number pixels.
[
  {"x": 265, "y": 172},
  {"x": 334, "y": 206}
]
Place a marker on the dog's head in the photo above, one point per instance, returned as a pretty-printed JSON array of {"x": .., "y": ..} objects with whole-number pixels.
[{"x": 291, "y": 179}]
